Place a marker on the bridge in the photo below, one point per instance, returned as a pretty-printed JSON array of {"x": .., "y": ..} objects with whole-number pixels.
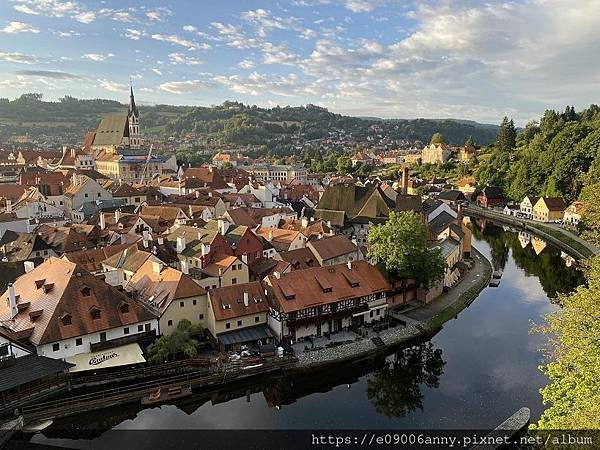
[{"x": 563, "y": 239}]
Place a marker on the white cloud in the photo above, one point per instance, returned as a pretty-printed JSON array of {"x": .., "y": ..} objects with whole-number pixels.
[
  {"x": 274, "y": 54},
  {"x": 19, "y": 27},
  {"x": 159, "y": 14},
  {"x": 133, "y": 34},
  {"x": 112, "y": 86},
  {"x": 246, "y": 64},
  {"x": 257, "y": 84},
  {"x": 183, "y": 87},
  {"x": 179, "y": 58},
  {"x": 17, "y": 83},
  {"x": 156, "y": 71},
  {"x": 49, "y": 8},
  {"x": 18, "y": 58},
  {"x": 97, "y": 56},
  {"x": 361, "y": 6},
  {"x": 176, "y": 40},
  {"x": 85, "y": 17},
  {"x": 190, "y": 28}
]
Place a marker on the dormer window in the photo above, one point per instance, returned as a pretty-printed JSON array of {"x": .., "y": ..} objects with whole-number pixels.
[
  {"x": 124, "y": 308},
  {"x": 95, "y": 313},
  {"x": 48, "y": 287},
  {"x": 86, "y": 291},
  {"x": 66, "y": 319},
  {"x": 39, "y": 283}
]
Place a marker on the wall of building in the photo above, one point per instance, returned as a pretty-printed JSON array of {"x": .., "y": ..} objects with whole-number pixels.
[{"x": 194, "y": 309}]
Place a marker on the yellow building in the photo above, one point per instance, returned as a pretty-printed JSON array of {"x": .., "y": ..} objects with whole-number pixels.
[
  {"x": 235, "y": 308},
  {"x": 549, "y": 209},
  {"x": 435, "y": 154}
]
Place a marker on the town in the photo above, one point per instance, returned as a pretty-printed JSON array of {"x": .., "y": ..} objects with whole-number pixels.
[{"x": 116, "y": 260}]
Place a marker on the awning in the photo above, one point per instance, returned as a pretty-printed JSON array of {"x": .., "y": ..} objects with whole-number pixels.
[
  {"x": 244, "y": 335},
  {"x": 113, "y": 357}
]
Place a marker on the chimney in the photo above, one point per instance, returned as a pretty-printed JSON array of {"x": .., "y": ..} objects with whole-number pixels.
[
  {"x": 209, "y": 194},
  {"x": 277, "y": 274},
  {"x": 246, "y": 299},
  {"x": 28, "y": 265},
  {"x": 459, "y": 217},
  {"x": 74, "y": 179},
  {"x": 205, "y": 249},
  {"x": 180, "y": 244},
  {"x": 222, "y": 226},
  {"x": 405, "y": 181},
  {"x": 102, "y": 221},
  {"x": 197, "y": 194},
  {"x": 117, "y": 215},
  {"x": 190, "y": 211},
  {"x": 8, "y": 205},
  {"x": 270, "y": 235},
  {"x": 73, "y": 151},
  {"x": 184, "y": 267},
  {"x": 161, "y": 241},
  {"x": 146, "y": 236},
  {"x": 12, "y": 299},
  {"x": 245, "y": 258},
  {"x": 220, "y": 272},
  {"x": 156, "y": 266},
  {"x": 304, "y": 222},
  {"x": 64, "y": 150},
  {"x": 349, "y": 265}
]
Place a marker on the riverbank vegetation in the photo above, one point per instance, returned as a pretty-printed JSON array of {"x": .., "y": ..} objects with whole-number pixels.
[
  {"x": 573, "y": 395},
  {"x": 180, "y": 343}
]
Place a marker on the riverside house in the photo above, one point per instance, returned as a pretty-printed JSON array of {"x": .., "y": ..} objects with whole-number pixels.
[
  {"x": 320, "y": 300},
  {"x": 549, "y": 209}
]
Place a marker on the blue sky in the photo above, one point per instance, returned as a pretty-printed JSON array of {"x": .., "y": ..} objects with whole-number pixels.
[{"x": 387, "y": 58}]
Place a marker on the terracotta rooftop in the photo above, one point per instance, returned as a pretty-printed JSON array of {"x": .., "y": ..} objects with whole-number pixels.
[{"x": 228, "y": 302}]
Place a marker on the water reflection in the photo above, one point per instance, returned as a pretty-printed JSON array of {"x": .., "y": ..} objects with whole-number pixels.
[
  {"x": 533, "y": 255},
  {"x": 395, "y": 390}
]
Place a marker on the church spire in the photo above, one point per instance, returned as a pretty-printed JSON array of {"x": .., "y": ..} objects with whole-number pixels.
[{"x": 132, "y": 107}]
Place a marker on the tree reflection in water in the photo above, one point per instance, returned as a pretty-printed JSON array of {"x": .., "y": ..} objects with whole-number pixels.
[{"x": 395, "y": 390}]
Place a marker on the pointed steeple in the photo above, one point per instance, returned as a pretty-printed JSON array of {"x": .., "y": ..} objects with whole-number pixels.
[{"x": 132, "y": 107}]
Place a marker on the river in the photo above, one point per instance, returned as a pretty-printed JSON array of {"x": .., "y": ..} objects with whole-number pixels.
[{"x": 478, "y": 370}]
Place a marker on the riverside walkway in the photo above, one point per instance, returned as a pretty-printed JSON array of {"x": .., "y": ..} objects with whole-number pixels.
[{"x": 553, "y": 233}]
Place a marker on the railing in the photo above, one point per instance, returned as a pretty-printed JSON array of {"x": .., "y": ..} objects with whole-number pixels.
[
  {"x": 117, "y": 342},
  {"x": 218, "y": 373}
]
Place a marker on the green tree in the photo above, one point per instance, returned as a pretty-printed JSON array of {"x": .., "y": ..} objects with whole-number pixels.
[
  {"x": 573, "y": 395},
  {"x": 437, "y": 138},
  {"x": 395, "y": 390},
  {"x": 470, "y": 142},
  {"x": 400, "y": 244},
  {"x": 177, "y": 344},
  {"x": 507, "y": 135},
  {"x": 590, "y": 220},
  {"x": 344, "y": 165}
]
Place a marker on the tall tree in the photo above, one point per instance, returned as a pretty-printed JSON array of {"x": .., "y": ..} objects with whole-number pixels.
[
  {"x": 507, "y": 135},
  {"x": 177, "y": 344},
  {"x": 401, "y": 245},
  {"x": 437, "y": 138},
  {"x": 573, "y": 394},
  {"x": 470, "y": 142}
]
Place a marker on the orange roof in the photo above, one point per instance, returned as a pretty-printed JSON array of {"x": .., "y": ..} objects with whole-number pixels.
[{"x": 228, "y": 302}]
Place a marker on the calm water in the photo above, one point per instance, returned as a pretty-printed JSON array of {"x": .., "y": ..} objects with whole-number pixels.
[{"x": 474, "y": 373}]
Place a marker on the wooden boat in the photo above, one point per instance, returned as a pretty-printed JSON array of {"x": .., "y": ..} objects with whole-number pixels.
[{"x": 166, "y": 394}]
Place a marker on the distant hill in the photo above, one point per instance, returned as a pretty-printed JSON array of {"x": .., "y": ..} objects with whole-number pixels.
[{"x": 228, "y": 123}]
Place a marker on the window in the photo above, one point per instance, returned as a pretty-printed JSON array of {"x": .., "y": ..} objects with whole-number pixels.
[
  {"x": 85, "y": 195},
  {"x": 78, "y": 342},
  {"x": 55, "y": 347},
  {"x": 95, "y": 313},
  {"x": 194, "y": 302},
  {"x": 140, "y": 328},
  {"x": 371, "y": 314},
  {"x": 234, "y": 281},
  {"x": 239, "y": 323},
  {"x": 181, "y": 304},
  {"x": 124, "y": 308},
  {"x": 147, "y": 327},
  {"x": 86, "y": 291},
  {"x": 126, "y": 330},
  {"x": 257, "y": 319},
  {"x": 228, "y": 325},
  {"x": 103, "y": 337},
  {"x": 201, "y": 316},
  {"x": 170, "y": 323},
  {"x": 99, "y": 194},
  {"x": 66, "y": 319}
]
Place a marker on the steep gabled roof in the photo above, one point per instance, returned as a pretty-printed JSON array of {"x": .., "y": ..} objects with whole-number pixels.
[{"x": 112, "y": 129}]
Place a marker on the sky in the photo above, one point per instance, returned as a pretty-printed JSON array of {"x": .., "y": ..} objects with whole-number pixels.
[{"x": 463, "y": 59}]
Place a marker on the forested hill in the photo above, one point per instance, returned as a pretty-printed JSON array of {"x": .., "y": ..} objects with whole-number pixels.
[
  {"x": 556, "y": 156},
  {"x": 229, "y": 123},
  {"x": 242, "y": 124}
]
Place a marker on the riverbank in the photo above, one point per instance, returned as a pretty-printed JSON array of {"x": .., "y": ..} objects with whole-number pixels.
[{"x": 421, "y": 322}]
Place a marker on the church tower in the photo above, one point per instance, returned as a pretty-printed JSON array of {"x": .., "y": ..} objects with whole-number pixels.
[{"x": 133, "y": 116}]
